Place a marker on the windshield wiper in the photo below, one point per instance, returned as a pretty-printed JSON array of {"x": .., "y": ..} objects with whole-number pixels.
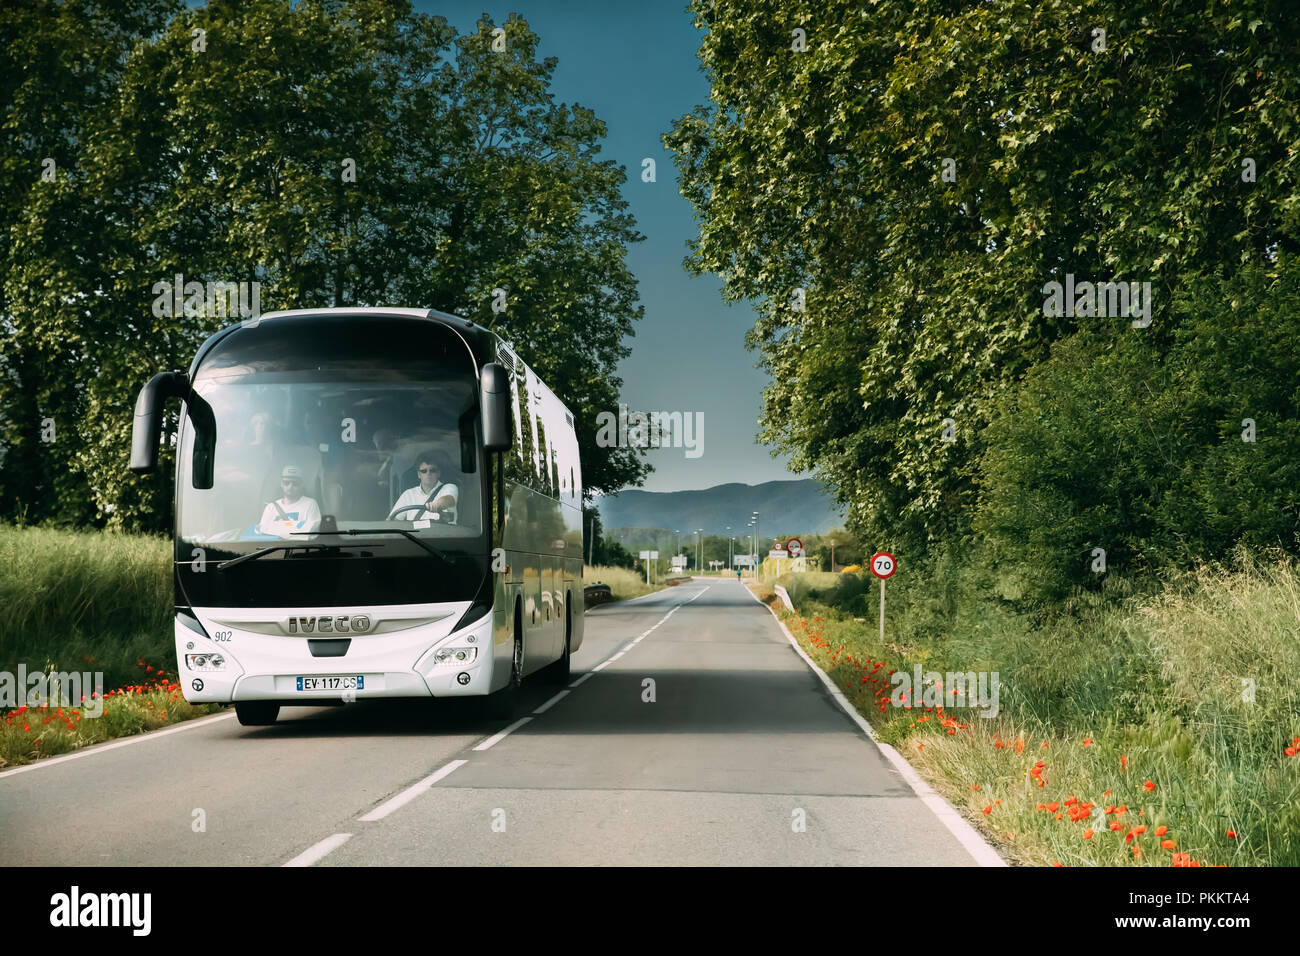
[
  {"x": 410, "y": 536},
  {"x": 262, "y": 552}
]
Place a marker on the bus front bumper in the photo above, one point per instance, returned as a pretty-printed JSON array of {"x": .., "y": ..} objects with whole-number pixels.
[{"x": 287, "y": 672}]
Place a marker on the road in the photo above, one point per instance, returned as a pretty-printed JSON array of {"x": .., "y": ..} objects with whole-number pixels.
[{"x": 742, "y": 758}]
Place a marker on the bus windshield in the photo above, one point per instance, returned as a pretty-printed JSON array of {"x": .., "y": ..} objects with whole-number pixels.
[{"x": 363, "y": 424}]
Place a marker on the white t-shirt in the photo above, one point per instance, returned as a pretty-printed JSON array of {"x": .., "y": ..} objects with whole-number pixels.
[
  {"x": 417, "y": 496},
  {"x": 302, "y": 515}
]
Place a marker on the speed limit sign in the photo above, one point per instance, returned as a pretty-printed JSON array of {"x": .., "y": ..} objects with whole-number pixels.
[{"x": 883, "y": 565}]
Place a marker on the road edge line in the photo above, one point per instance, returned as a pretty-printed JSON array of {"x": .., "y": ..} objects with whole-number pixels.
[
  {"x": 114, "y": 744},
  {"x": 972, "y": 842}
]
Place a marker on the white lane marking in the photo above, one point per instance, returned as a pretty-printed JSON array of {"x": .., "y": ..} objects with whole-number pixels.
[
  {"x": 100, "y": 748},
  {"x": 502, "y": 735},
  {"x": 409, "y": 794},
  {"x": 966, "y": 835},
  {"x": 646, "y": 633},
  {"x": 550, "y": 703},
  {"x": 313, "y": 853},
  {"x": 586, "y": 676}
]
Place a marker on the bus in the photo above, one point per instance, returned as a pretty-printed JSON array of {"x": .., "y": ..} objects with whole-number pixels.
[{"x": 370, "y": 502}]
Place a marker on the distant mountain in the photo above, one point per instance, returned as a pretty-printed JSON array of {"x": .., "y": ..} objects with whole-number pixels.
[{"x": 800, "y": 506}]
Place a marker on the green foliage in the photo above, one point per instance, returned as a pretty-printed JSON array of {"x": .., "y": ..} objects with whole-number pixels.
[
  {"x": 227, "y": 163},
  {"x": 823, "y": 170},
  {"x": 1110, "y": 444}
]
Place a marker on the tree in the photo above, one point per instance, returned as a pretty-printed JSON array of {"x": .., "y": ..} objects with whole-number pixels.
[
  {"x": 338, "y": 153},
  {"x": 897, "y": 196},
  {"x": 65, "y": 62},
  {"x": 1112, "y": 449}
]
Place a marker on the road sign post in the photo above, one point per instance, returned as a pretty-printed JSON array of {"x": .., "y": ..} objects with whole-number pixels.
[
  {"x": 883, "y": 566},
  {"x": 648, "y": 557}
]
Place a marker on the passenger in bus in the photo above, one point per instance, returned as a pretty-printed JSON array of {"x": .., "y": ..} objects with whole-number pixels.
[
  {"x": 294, "y": 511},
  {"x": 436, "y": 495}
]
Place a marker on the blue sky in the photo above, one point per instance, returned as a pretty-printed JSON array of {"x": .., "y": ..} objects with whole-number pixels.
[{"x": 634, "y": 64}]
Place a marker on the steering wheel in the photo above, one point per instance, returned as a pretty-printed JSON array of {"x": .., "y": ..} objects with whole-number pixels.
[{"x": 425, "y": 506}]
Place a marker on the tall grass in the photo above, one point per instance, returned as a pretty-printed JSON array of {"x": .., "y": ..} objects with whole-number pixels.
[
  {"x": 72, "y": 596},
  {"x": 623, "y": 583}
]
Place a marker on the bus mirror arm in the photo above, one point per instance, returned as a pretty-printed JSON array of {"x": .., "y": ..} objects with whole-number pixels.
[
  {"x": 494, "y": 402},
  {"x": 146, "y": 428},
  {"x": 205, "y": 439},
  {"x": 148, "y": 417}
]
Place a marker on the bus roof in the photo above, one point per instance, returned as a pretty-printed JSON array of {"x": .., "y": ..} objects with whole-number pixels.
[{"x": 434, "y": 314}]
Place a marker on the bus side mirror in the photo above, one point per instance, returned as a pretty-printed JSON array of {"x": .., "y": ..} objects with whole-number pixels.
[
  {"x": 147, "y": 426},
  {"x": 148, "y": 417},
  {"x": 494, "y": 401}
]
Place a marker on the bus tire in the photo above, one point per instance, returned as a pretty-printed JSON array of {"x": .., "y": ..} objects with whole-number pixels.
[
  {"x": 502, "y": 704},
  {"x": 257, "y": 713},
  {"x": 558, "y": 673}
]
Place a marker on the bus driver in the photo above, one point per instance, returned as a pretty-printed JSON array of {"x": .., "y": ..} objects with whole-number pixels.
[{"x": 435, "y": 495}]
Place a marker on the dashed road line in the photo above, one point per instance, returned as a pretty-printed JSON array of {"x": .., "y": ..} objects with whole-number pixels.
[
  {"x": 502, "y": 734},
  {"x": 315, "y": 852},
  {"x": 410, "y": 793},
  {"x": 318, "y": 851},
  {"x": 550, "y": 703}
]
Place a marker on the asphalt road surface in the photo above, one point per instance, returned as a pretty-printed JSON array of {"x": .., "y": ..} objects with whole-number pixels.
[{"x": 743, "y": 757}]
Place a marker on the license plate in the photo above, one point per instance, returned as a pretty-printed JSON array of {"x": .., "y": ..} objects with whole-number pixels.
[{"x": 332, "y": 683}]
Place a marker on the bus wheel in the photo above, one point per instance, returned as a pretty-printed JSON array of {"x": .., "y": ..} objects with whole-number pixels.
[
  {"x": 256, "y": 713},
  {"x": 558, "y": 673},
  {"x": 502, "y": 704}
]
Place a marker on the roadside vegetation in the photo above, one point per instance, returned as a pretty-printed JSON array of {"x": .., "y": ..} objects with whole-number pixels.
[
  {"x": 623, "y": 583},
  {"x": 87, "y": 603},
  {"x": 1156, "y": 727}
]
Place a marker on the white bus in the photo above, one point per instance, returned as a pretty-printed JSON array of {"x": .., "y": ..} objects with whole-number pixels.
[{"x": 369, "y": 503}]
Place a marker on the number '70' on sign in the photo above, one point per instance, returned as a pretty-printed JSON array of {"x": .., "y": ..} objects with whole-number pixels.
[{"x": 883, "y": 565}]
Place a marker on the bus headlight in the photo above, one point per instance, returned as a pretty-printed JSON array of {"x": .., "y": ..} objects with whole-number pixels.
[
  {"x": 455, "y": 655},
  {"x": 205, "y": 662}
]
